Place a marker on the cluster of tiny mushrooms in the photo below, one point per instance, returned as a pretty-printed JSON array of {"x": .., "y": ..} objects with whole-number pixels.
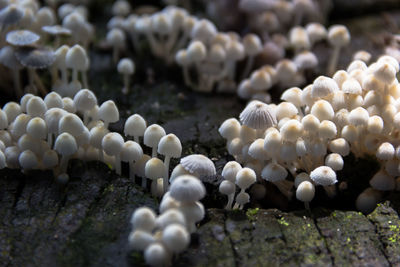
[{"x": 296, "y": 145}]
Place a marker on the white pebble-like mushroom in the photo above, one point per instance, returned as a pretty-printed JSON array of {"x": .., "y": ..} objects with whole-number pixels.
[
  {"x": 143, "y": 219},
  {"x": 176, "y": 238},
  {"x": 112, "y": 144},
  {"x": 126, "y": 67},
  {"x": 66, "y": 146},
  {"x": 152, "y": 136},
  {"x": 155, "y": 170},
  {"x": 108, "y": 113},
  {"x": 305, "y": 192},
  {"x": 135, "y": 126},
  {"x": 131, "y": 152},
  {"x": 170, "y": 147}
]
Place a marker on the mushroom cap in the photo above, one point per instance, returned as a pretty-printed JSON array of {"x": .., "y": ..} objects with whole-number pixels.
[
  {"x": 274, "y": 172},
  {"x": 71, "y": 123},
  {"x": 76, "y": 58},
  {"x": 152, "y": 135},
  {"x": 306, "y": 60},
  {"x": 12, "y": 110},
  {"x": 22, "y": 37},
  {"x": 187, "y": 188},
  {"x": 143, "y": 219},
  {"x": 230, "y": 129},
  {"x": 156, "y": 255},
  {"x": 108, "y": 112},
  {"x": 335, "y": 161},
  {"x": 170, "y": 216},
  {"x": 203, "y": 30},
  {"x": 11, "y": 14},
  {"x": 245, "y": 178},
  {"x": 305, "y": 191},
  {"x": 176, "y": 238},
  {"x": 140, "y": 240},
  {"x": 135, "y": 125},
  {"x": 8, "y": 58},
  {"x": 52, "y": 118},
  {"x": 338, "y": 35},
  {"x": 226, "y": 187},
  {"x": 65, "y": 144},
  {"x": 53, "y": 100},
  {"x": 56, "y": 30},
  {"x": 382, "y": 181},
  {"x": 112, "y": 143},
  {"x": 258, "y": 115},
  {"x": 257, "y": 151},
  {"x": 154, "y": 169},
  {"x": 126, "y": 66},
  {"x": 37, "y": 127},
  {"x": 131, "y": 151},
  {"x": 28, "y": 160},
  {"x": 323, "y": 86},
  {"x": 170, "y": 146},
  {"x": 36, "y": 107},
  {"x": 37, "y": 58},
  {"x": 324, "y": 176},
  {"x": 252, "y": 44},
  {"x": 199, "y": 165},
  {"x": 85, "y": 100}
]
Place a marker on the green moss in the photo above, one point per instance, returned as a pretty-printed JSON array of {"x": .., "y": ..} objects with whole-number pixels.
[
  {"x": 282, "y": 221},
  {"x": 251, "y": 214}
]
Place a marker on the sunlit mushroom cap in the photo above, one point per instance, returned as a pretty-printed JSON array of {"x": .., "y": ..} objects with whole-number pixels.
[
  {"x": 258, "y": 115},
  {"x": 11, "y": 15},
  {"x": 323, "y": 86},
  {"x": 37, "y": 58},
  {"x": 56, "y": 30},
  {"x": 324, "y": 176},
  {"x": 22, "y": 37},
  {"x": 199, "y": 165},
  {"x": 8, "y": 58}
]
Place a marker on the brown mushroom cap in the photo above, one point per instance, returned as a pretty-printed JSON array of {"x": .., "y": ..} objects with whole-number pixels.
[{"x": 37, "y": 58}]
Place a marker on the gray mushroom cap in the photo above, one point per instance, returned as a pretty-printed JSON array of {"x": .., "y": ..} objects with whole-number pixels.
[
  {"x": 199, "y": 165},
  {"x": 37, "y": 58},
  {"x": 22, "y": 37},
  {"x": 56, "y": 30},
  {"x": 8, "y": 58},
  {"x": 11, "y": 15}
]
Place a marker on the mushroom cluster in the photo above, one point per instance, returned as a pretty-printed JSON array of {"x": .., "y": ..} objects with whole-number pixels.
[
  {"x": 315, "y": 128},
  {"x": 26, "y": 41},
  {"x": 165, "y": 235},
  {"x": 293, "y": 72},
  {"x": 45, "y": 133}
]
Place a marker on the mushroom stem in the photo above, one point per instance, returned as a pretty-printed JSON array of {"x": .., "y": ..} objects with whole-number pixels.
[
  {"x": 307, "y": 205},
  {"x": 101, "y": 156},
  {"x": 126, "y": 83},
  {"x": 64, "y": 164},
  {"x": 84, "y": 79},
  {"x": 333, "y": 61},
  {"x": 186, "y": 76},
  {"x": 136, "y": 139},
  {"x": 154, "y": 152},
  {"x": 231, "y": 197},
  {"x": 39, "y": 83},
  {"x": 85, "y": 117},
  {"x": 118, "y": 164},
  {"x": 154, "y": 187},
  {"x": 166, "y": 176}
]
